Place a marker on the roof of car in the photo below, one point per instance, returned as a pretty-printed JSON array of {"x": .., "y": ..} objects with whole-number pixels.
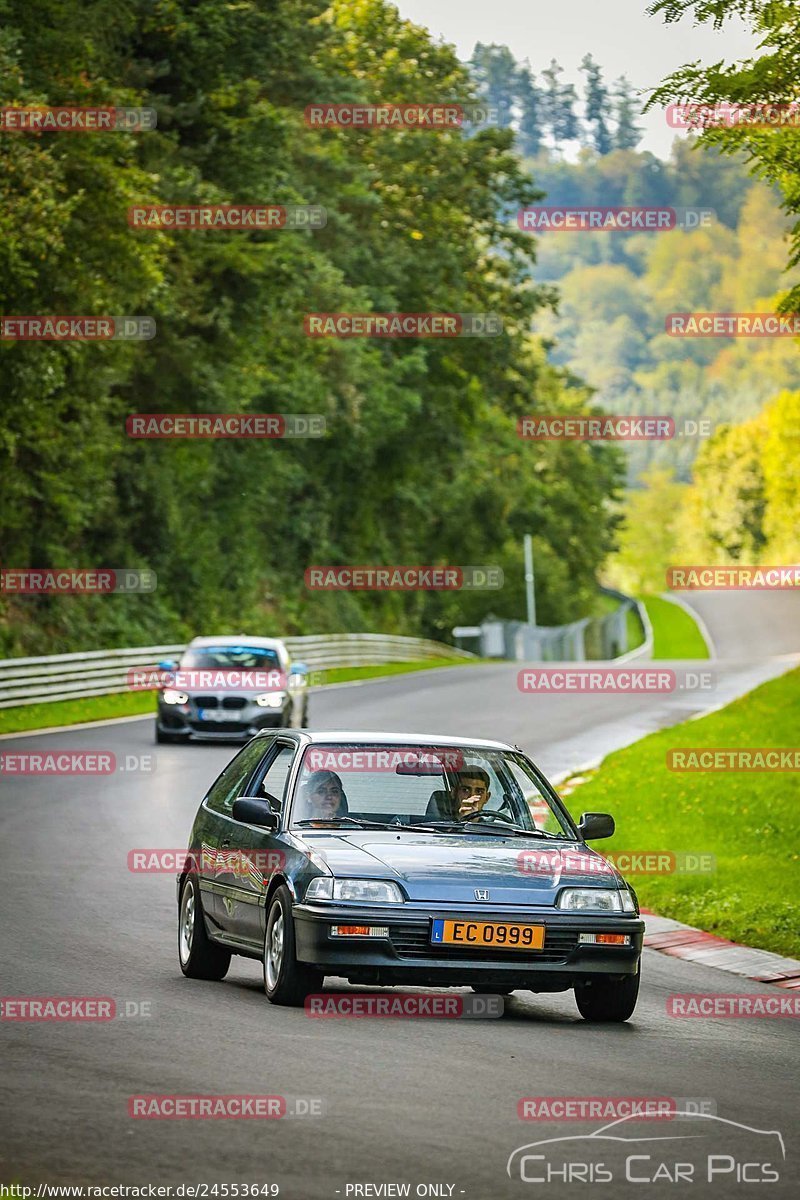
[
  {"x": 242, "y": 639},
  {"x": 379, "y": 737}
]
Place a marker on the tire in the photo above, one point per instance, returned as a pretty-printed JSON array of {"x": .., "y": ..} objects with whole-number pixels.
[
  {"x": 199, "y": 957},
  {"x": 304, "y": 721},
  {"x": 608, "y": 999},
  {"x": 485, "y": 989},
  {"x": 286, "y": 981}
]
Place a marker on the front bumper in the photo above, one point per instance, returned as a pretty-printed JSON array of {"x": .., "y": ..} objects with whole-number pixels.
[
  {"x": 241, "y": 722},
  {"x": 407, "y": 955}
]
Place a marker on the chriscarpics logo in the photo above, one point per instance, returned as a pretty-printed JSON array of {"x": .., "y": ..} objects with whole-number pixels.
[{"x": 694, "y": 1148}]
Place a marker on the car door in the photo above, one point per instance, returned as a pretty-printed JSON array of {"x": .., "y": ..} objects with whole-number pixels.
[
  {"x": 216, "y": 836},
  {"x": 260, "y": 853}
]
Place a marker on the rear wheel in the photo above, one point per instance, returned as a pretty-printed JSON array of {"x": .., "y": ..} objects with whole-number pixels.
[
  {"x": 286, "y": 981},
  {"x": 200, "y": 958},
  {"x": 608, "y": 999}
]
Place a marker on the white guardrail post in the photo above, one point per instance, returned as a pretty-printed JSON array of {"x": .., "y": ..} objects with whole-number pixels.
[{"x": 102, "y": 672}]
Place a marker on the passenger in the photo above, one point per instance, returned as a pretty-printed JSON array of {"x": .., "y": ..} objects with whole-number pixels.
[{"x": 324, "y": 796}]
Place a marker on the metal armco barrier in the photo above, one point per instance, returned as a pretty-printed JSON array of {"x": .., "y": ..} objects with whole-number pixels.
[{"x": 101, "y": 672}]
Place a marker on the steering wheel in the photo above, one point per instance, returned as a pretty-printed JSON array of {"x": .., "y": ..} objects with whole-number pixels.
[{"x": 492, "y": 815}]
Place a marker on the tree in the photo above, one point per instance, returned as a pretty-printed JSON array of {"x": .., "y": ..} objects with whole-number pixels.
[
  {"x": 627, "y": 134},
  {"x": 596, "y": 103},
  {"x": 530, "y": 102},
  {"x": 771, "y": 77},
  {"x": 494, "y": 70},
  {"x": 558, "y": 106}
]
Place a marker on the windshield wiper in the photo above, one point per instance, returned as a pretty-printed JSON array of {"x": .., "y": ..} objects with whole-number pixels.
[
  {"x": 360, "y": 821},
  {"x": 463, "y": 826}
]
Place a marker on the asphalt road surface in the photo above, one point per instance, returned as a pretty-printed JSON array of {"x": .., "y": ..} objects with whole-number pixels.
[{"x": 428, "y": 1103}]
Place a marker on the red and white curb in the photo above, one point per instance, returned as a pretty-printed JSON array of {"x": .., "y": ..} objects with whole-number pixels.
[{"x": 684, "y": 941}]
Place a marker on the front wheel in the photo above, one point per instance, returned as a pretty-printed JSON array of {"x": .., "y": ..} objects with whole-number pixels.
[
  {"x": 286, "y": 981},
  {"x": 200, "y": 958},
  {"x": 608, "y": 999}
]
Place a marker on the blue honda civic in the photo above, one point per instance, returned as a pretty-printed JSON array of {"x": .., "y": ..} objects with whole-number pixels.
[{"x": 394, "y": 859}]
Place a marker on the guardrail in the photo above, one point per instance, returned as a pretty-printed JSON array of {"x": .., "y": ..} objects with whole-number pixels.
[{"x": 102, "y": 672}]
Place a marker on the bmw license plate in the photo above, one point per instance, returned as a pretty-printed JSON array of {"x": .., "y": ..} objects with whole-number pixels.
[
  {"x": 210, "y": 714},
  {"x": 496, "y": 935}
]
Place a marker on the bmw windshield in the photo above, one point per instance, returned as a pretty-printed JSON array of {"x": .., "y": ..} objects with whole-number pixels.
[{"x": 443, "y": 788}]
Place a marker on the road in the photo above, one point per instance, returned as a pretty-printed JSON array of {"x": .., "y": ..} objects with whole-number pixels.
[{"x": 418, "y": 1102}]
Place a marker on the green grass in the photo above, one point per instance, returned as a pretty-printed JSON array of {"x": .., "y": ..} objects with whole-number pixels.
[
  {"x": 675, "y": 632},
  {"x": 73, "y": 712},
  {"x": 750, "y": 820},
  {"x": 346, "y": 674},
  {"x": 129, "y": 704}
]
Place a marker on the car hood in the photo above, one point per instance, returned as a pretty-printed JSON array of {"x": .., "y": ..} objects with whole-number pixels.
[{"x": 449, "y": 867}]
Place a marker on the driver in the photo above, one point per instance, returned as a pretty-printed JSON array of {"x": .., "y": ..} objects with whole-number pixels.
[
  {"x": 324, "y": 796},
  {"x": 468, "y": 795}
]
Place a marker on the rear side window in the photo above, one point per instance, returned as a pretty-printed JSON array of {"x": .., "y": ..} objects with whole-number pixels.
[{"x": 230, "y": 783}]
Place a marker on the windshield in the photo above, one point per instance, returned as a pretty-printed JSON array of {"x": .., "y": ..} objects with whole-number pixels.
[
  {"x": 437, "y": 787},
  {"x": 233, "y": 657}
]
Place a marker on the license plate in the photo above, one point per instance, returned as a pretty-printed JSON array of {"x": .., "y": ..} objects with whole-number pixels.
[
  {"x": 210, "y": 714},
  {"x": 498, "y": 935}
]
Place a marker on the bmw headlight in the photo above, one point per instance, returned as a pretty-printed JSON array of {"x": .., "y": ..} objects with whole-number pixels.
[
  {"x": 170, "y": 696},
  {"x": 271, "y": 699},
  {"x": 365, "y": 891},
  {"x": 596, "y": 900}
]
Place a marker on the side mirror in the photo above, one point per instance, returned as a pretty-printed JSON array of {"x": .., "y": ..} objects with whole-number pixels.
[
  {"x": 255, "y": 810},
  {"x": 168, "y": 664},
  {"x": 596, "y": 825}
]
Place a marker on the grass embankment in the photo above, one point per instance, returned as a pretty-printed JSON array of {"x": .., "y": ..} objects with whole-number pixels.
[
  {"x": 129, "y": 704},
  {"x": 675, "y": 632},
  {"x": 750, "y": 821}
]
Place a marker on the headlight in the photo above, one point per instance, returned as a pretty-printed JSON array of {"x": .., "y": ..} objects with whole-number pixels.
[
  {"x": 594, "y": 900},
  {"x": 271, "y": 699},
  {"x": 366, "y": 891},
  {"x": 170, "y": 696}
]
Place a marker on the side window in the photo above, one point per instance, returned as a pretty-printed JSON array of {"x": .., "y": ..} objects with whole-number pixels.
[
  {"x": 273, "y": 781},
  {"x": 230, "y": 783}
]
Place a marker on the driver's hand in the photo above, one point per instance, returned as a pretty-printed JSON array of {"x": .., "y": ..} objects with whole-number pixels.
[{"x": 468, "y": 807}]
